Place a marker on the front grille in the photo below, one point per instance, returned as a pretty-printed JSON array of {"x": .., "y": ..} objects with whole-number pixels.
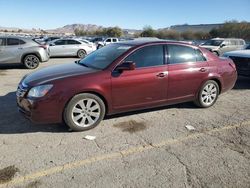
[{"x": 21, "y": 91}]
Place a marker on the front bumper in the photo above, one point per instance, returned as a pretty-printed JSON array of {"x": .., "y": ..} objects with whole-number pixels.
[{"x": 42, "y": 110}]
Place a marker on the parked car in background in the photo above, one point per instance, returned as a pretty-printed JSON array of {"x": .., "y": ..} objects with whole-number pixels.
[
  {"x": 221, "y": 45},
  {"x": 106, "y": 42},
  {"x": 22, "y": 50},
  {"x": 49, "y": 39},
  {"x": 241, "y": 58},
  {"x": 97, "y": 39},
  {"x": 122, "y": 77},
  {"x": 70, "y": 47}
]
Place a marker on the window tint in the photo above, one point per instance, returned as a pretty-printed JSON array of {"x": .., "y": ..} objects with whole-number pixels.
[
  {"x": 12, "y": 41},
  {"x": 60, "y": 42},
  {"x": 147, "y": 56},
  {"x": 73, "y": 42},
  {"x": 21, "y": 42},
  {"x": 2, "y": 41},
  {"x": 108, "y": 40},
  {"x": 199, "y": 56},
  {"x": 114, "y": 40},
  {"x": 181, "y": 54}
]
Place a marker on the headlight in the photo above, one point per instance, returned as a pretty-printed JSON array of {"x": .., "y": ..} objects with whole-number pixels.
[{"x": 39, "y": 91}]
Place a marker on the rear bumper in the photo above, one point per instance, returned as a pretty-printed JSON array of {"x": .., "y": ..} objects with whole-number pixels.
[{"x": 44, "y": 56}]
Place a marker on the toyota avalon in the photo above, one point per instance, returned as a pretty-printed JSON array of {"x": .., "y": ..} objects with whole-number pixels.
[{"x": 123, "y": 77}]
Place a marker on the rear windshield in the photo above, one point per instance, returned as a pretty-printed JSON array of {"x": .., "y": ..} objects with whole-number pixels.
[{"x": 36, "y": 41}]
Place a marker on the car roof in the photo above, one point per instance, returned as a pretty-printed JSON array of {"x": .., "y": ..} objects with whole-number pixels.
[
  {"x": 141, "y": 42},
  {"x": 226, "y": 39}
]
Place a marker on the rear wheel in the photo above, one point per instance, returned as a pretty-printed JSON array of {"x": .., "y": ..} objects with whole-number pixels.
[
  {"x": 31, "y": 61},
  {"x": 215, "y": 53},
  {"x": 84, "y": 111},
  {"x": 81, "y": 53},
  {"x": 208, "y": 94},
  {"x": 99, "y": 46}
]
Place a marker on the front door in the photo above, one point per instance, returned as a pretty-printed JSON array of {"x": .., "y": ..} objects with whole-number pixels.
[{"x": 144, "y": 86}]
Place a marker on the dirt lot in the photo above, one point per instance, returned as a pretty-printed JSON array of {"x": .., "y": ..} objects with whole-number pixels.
[{"x": 149, "y": 148}]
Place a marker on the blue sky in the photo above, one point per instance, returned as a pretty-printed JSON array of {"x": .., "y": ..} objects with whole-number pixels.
[{"x": 134, "y": 14}]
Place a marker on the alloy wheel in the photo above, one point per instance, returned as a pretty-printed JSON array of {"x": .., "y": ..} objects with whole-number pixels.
[
  {"x": 86, "y": 112},
  {"x": 209, "y": 94},
  {"x": 31, "y": 61}
]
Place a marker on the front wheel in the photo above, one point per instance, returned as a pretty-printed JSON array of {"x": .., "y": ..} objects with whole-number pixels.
[
  {"x": 208, "y": 94},
  {"x": 84, "y": 111}
]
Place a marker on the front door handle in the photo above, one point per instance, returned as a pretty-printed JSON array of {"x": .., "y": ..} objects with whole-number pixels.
[
  {"x": 203, "y": 70},
  {"x": 162, "y": 74}
]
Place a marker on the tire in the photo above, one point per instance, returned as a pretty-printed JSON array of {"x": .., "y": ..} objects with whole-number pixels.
[
  {"x": 99, "y": 46},
  {"x": 31, "y": 61},
  {"x": 208, "y": 94},
  {"x": 81, "y": 54},
  {"x": 84, "y": 111},
  {"x": 215, "y": 53}
]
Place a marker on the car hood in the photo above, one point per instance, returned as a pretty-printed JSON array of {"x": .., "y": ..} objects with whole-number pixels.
[
  {"x": 56, "y": 72},
  {"x": 238, "y": 53}
]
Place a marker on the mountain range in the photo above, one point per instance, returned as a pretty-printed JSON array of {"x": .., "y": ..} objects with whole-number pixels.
[{"x": 91, "y": 27}]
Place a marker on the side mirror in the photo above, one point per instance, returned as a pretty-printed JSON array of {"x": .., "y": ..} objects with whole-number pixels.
[
  {"x": 126, "y": 65},
  {"x": 51, "y": 44},
  {"x": 222, "y": 45}
]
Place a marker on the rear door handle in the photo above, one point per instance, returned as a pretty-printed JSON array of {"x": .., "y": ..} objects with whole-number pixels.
[
  {"x": 162, "y": 74},
  {"x": 203, "y": 70}
]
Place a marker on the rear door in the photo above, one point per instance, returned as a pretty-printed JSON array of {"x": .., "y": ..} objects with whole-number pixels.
[
  {"x": 72, "y": 47},
  {"x": 58, "y": 48},
  {"x": 12, "y": 51},
  {"x": 187, "y": 69},
  {"x": 144, "y": 86}
]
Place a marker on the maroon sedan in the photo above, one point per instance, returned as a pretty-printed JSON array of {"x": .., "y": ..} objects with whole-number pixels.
[{"x": 124, "y": 77}]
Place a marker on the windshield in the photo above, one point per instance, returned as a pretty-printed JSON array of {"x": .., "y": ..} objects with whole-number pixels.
[
  {"x": 213, "y": 43},
  {"x": 103, "y": 57}
]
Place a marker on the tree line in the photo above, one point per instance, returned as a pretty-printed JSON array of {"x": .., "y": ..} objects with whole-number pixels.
[
  {"x": 231, "y": 29},
  {"x": 110, "y": 32}
]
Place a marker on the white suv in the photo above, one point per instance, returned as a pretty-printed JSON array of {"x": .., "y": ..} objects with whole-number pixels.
[
  {"x": 22, "y": 50},
  {"x": 106, "y": 42}
]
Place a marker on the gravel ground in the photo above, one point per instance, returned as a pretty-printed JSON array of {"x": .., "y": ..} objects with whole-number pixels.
[{"x": 150, "y": 148}]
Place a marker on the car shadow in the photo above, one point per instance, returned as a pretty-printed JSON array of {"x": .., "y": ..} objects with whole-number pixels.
[
  {"x": 187, "y": 105},
  {"x": 12, "y": 122},
  {"x": 11, "y": 66},
  {"x": 242, "y": 83}
]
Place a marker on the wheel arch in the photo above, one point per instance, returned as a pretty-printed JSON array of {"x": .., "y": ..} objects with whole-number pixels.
[
  {"x": 31, "y": 53},
  {"x": 91, "y": 92}
]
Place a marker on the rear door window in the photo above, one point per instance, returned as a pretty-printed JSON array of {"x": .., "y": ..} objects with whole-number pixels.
[
  {"x": 13, "y": 41},
  {"x": 181, "y": 54},
  {"x": 70, "y": 42},
  {"x": 60, "y": 42}
]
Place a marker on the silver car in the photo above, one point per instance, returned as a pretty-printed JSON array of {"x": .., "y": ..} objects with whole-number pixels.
[
  {"x": 22, "y": 50},
  {"x": 70, "y": 47},
  {"x": 221, "y": 45}
]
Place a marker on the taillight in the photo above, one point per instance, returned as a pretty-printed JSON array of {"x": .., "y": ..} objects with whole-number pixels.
[
  {"x": 231, "y": 63},
  {"x": 43, "y": 46}
]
